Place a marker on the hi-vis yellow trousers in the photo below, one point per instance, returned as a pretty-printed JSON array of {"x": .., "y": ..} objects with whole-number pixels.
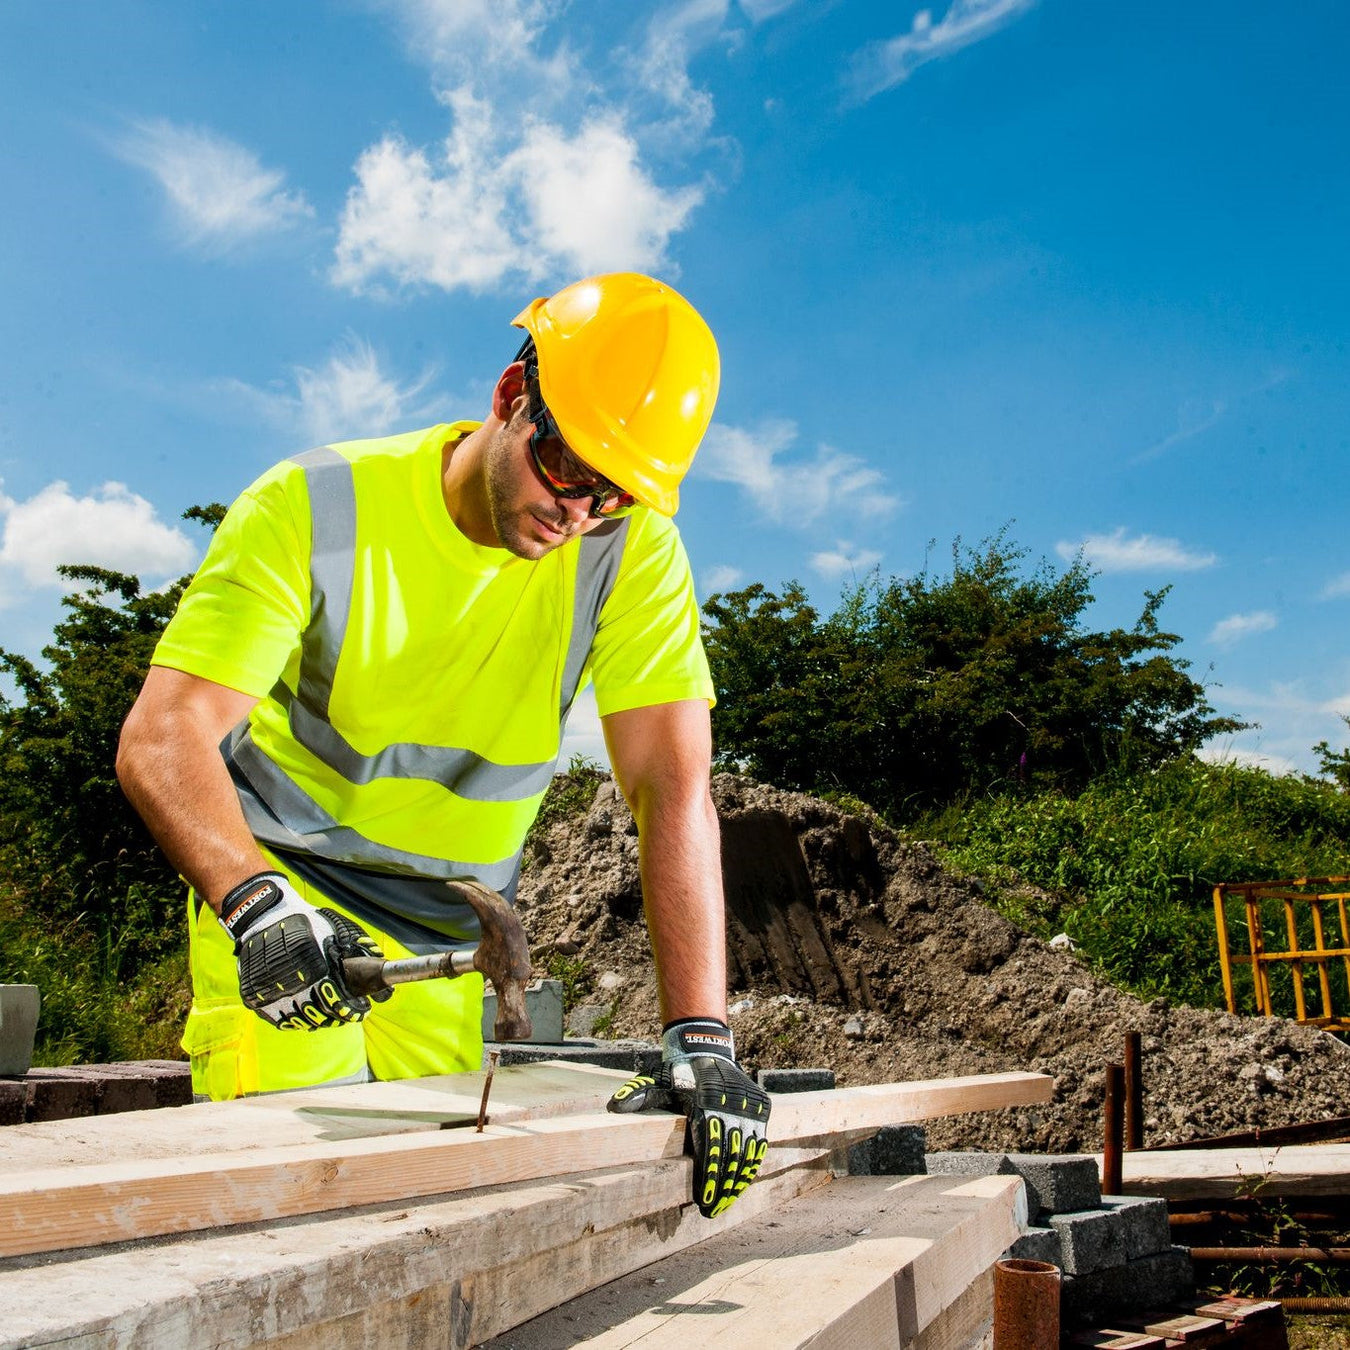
[{"x": 430, "y": 1027}]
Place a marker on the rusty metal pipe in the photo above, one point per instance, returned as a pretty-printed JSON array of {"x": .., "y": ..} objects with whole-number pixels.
[
  {"x": 1271, "y": 1255},
  {"x": 1115, "y": 1129},
  {"x": 1134, "y": 1090},
  {"x": 1026, "y": 1305}
]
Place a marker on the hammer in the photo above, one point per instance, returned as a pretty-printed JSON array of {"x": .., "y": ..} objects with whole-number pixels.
[{"x": 502, "y": 956}]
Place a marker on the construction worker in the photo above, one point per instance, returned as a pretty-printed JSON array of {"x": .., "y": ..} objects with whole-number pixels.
[{"x": 363, "y": 693}]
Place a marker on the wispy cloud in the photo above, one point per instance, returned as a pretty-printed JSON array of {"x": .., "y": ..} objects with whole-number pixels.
[
  {"x": 757, "y": 11},
  {"x": 1230, "y": 631},
  {"x": 1118, "y": 552},
  {"x": 350, "y": 395},
  {"x": 218, "y": 191},
  {"x": 1194, "y": 418},
  {"x": 111, "y": 527},
  {"x": 845, "y": 560},
  {"x": 796, "y": 492},
  {"x": 720, "y": 578},
  {"x": 1293, "y": 717},
  {"x": 882, "y": 65},
  {"x": 1337, "y": 587}
]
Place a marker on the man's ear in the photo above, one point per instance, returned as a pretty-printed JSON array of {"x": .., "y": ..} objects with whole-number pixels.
[{"x": 510, "y": 387}]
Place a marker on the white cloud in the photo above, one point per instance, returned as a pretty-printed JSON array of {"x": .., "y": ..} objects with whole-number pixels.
[
  {"x": 591, "y": 205},
  {"x": 478, "y": 213},
  {"x": 881, "y": 65},
  {"x": 793, "y": 493},
  {"x": 720, "y": 578},
  {"x": 1293, "y": 717},
  {"x": 1233, "y": 629},
  {"x": 844, "y": 560},
  {"x": 1337, "y": 587},
  {"x": 219, "y": 192},
  {"x": 113, "y": 527},
  {"x": 1194, "y": 418},
  {"x": 1116, "y": 552},
  {"x": 662, "y": 66},
  {"x": 348, "y": 396}
]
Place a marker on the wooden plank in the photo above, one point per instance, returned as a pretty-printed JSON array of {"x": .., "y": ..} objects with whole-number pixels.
[
  {"x": 1230, "y": 1173},
  {"x": 804, "y": 1115},
  {"x": 866, "y": 1261},
  {"x": 368, "y": 1278},
  {"x": 313, "y": 1115},
  {"x": 52, "y": 1209}
]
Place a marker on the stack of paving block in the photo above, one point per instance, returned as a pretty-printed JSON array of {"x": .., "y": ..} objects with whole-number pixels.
[{"x": 1116, "y": 1252}]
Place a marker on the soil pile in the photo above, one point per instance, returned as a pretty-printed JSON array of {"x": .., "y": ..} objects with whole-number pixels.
[{"x": 851, "y": 948}]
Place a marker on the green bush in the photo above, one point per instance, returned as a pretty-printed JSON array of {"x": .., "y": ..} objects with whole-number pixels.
[{"x": 1134, "y": 859}]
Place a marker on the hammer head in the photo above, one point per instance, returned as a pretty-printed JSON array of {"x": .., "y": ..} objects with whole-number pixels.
[{"x": 503, "y": 956}]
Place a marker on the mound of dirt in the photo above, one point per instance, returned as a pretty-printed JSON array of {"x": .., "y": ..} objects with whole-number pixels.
[{"x": 851, "y": 948}]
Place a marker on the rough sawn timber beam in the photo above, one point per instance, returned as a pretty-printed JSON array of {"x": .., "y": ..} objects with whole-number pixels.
[
  {"x": 1229, "y": 1173},
  {"x": 56, "y": 1209}
]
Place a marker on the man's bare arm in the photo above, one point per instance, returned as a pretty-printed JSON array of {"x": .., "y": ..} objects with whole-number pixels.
[
  {"x": 662, "y": 758},
  {"x": 169, "y": 765}
]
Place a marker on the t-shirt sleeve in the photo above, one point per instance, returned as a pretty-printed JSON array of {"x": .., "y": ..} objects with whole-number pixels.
[
  {"x": 240, "y": 620},
  {"x": 648, "y": 648}
]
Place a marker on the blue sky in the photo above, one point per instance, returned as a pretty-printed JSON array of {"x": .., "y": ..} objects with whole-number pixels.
[{"x": 1074, "y": 269}]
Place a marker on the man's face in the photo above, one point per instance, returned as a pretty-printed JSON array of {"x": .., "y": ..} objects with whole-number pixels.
[{"x": 527, "y": 518}]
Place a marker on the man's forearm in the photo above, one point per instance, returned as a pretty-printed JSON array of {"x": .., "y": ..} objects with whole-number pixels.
[
  {"x": 682, "y": 886},
  {"x": 170, "y": 768}
]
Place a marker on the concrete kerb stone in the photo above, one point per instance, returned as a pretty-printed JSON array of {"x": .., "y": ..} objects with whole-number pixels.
[
  {"x": 543, "y": 1002},
  {"x": 19, "y": 1006}
]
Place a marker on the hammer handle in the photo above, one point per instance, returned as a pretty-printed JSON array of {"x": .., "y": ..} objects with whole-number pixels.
[{"x": 370, "y": 974}]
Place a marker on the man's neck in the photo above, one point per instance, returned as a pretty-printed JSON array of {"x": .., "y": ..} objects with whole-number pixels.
[{"x": 463, "y": 488}]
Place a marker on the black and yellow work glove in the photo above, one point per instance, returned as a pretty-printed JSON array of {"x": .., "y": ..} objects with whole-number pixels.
[
  {"x": 290, "y": 955},
  {"x": 728, "y": 1112}
]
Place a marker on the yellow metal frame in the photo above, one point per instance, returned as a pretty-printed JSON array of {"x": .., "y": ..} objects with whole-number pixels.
[{"x": 1260, "y": 959}]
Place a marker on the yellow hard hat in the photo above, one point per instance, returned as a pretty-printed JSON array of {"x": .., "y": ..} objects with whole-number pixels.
[{"x": 629, "y": 370}]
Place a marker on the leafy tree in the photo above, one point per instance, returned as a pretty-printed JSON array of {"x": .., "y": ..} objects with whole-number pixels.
[
  {"x": 1334, "y": 764},
  {"x": 918, "y": 691},
  {"x": 70, "y": 844}
]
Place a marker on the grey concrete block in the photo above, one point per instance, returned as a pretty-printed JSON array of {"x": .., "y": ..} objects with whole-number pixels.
[
  {"x": 19, "y": 1005},
  {"x": 795, "y": 1080},
  {"x": 1058, "y": 1183},
  {"x": 894, "y": 1151},
  {"x": 1055, "y": 1182},
  {"x": 1036, "y": 1244},
  {"x": 1145, "y": 1230},
  {"x": 544, "y": 1003},
  {"x": 1131, "y": 1287},
  {"x": 632, "y": 1056},
  {"x": 967, "y": 1164},
  {"x": 1090, "y": 1240}
]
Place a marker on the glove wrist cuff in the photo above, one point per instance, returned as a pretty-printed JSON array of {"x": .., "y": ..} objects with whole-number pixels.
[
  {"x": 698, "y": 1036},
  {"x": 241, "y": 907}
]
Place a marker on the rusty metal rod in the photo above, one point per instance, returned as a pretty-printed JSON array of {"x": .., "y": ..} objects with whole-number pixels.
[
  {"x": 1198, "y": 1217},
  {"x": 1271, "y": 1255},
  {"x": 1316, "y": 1305},
  {"x": 1134, "y": 1091},
  {"x": 1026, "y": 1305},
  {"x": 1115, "y": 1129}
]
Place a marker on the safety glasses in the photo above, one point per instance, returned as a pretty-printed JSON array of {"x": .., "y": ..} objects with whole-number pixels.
[{"x": 563, "y": 473}]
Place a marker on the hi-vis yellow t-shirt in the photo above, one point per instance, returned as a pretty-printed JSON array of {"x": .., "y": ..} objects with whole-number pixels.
[{"x": 411, "y": 682}]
